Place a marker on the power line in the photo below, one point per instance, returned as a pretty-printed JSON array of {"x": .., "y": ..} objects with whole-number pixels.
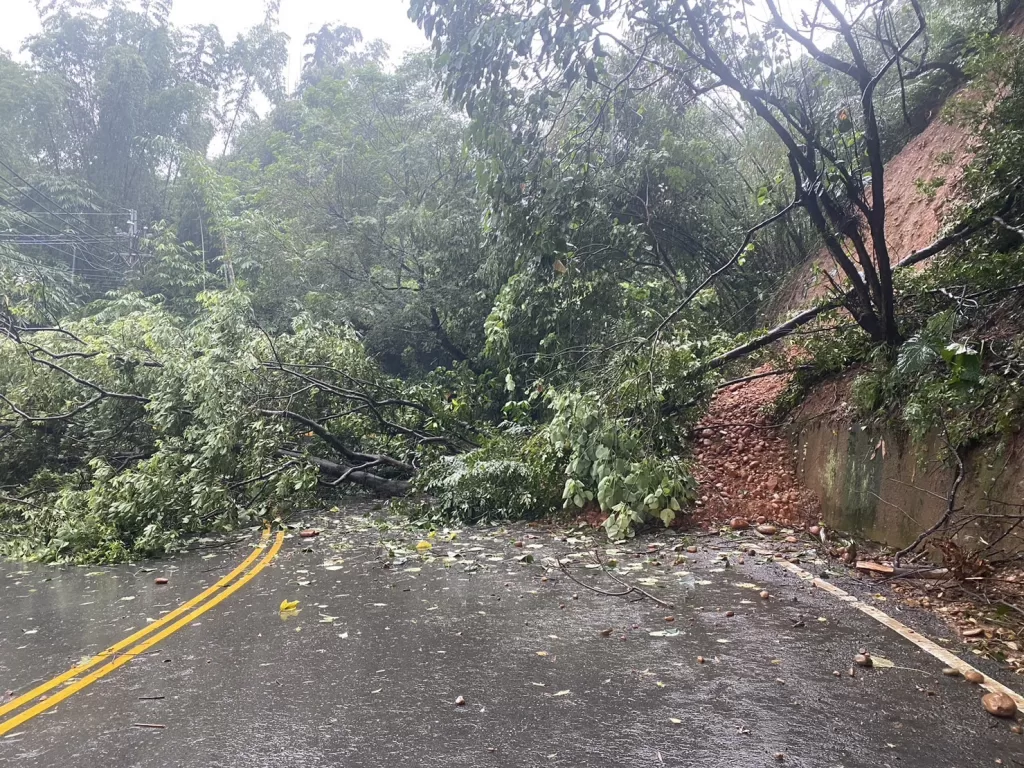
[
  {"x": 56, "y": 233},
  {"x": 76, "y": 234},
  {"x": 29, "y": 224},
  {"x": 43, "y": 194}
]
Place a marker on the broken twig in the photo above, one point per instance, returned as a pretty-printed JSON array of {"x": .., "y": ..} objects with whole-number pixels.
[{"x": 629, "y": 588}]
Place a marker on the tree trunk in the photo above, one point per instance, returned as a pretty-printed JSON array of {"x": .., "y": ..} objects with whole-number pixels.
[{"x": 384, "y": 486}]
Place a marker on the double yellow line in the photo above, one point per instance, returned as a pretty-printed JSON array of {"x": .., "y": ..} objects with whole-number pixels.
[{"x": 121, "y": 653}]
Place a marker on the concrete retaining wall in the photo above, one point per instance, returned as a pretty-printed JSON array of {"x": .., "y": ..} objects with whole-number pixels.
[{"x": 878, "y": 485}]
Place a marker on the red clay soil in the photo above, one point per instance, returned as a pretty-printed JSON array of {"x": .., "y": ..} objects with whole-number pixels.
[{"x": 744, "y": 465}]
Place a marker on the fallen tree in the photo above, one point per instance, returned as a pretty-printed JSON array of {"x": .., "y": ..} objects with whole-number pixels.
[{"x": 130, "y": 427}]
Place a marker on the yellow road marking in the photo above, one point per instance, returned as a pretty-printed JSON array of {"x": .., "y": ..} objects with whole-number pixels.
[
  {"x": 922, "y": 642},
  {"x": 92, "y": 677},
  {"x": 147, "y": 630}
]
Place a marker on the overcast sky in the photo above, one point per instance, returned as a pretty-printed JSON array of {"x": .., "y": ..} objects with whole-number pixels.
[{"x": 384, "y": 19}]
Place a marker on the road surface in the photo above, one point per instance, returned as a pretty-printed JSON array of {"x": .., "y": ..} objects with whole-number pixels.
[{"x": 367, "y": 668}]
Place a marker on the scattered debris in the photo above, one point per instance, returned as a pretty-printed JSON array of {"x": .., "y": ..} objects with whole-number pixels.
[
  {"x": 460, "y": 701},
  {"x": 999, "y": 704},
  {"x": 910, "y": 573}
]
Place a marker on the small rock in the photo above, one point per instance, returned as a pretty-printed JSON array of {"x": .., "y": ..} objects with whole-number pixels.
[
  {"x": 974, "y": 677},
  {"x": 670, "y": 618},
  {"x": 950, "y": 672},
  {"x": 765, "y": 594},
  {"x": 605, "y": 632},
  {"x": 863, "y": 660},
  {"x": 791, "y": 539},
  {"x": 814, "y": 530},
  {"x": 691, "y": 550},
  {"x": 729, "y": 614},
  {"x": 835, "y": 673},
  {"x": 975, "y": 632},
  {"x": 1016, "y": 729},
  {"x": 160, "y": 580},
  {"x": 762, "y": 519},
  {"x": 767, "y": 530},
  {"x": 460, "y": 702},
  {"x": 739, "y": 523},
  {"x": 700, "y": 659},
  {"x": 309, "y": 533},
  {"x": 517, "y": 543},
  {"x": 779, "y": 756},
  {"x": 999, "y": 704}
]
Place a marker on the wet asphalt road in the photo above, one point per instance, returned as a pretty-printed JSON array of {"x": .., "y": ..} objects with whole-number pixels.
[{"x": 367, "y": 671}]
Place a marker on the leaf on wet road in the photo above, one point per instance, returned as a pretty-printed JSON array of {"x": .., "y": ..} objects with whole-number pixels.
[
  {"x": 288, "y": 605},
  {"x": 880, "y": 662},
  {"x": 566, "y": 692}
]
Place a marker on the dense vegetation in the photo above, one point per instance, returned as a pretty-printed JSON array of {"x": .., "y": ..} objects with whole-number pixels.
[{"x": 500, "y": 277}]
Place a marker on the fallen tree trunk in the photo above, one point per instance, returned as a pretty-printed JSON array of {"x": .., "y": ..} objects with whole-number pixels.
[{"x": 385, "y": 486}]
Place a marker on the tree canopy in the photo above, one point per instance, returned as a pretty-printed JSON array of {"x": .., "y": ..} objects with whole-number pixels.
[{"x": 495, "y": 278}]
